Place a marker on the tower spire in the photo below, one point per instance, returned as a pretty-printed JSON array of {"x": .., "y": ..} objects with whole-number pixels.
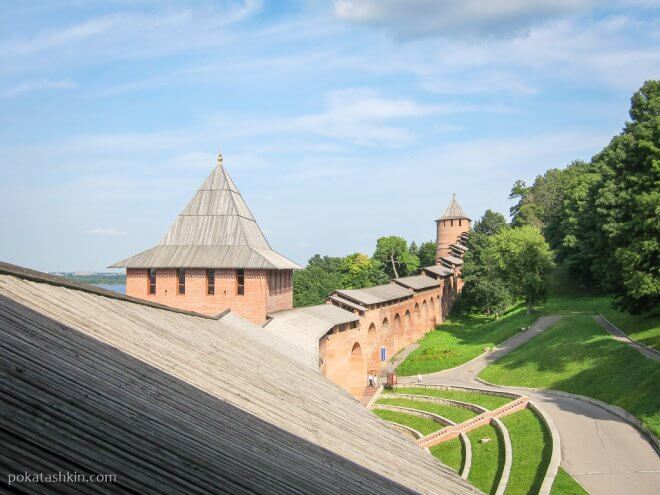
[{"x": 220, "y": 156}]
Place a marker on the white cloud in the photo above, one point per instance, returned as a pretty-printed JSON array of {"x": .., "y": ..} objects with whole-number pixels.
[
  {"x": 40, "y": 85},
  {"x": 409, "y": 19},
  {"x": 104, "y": 232}
]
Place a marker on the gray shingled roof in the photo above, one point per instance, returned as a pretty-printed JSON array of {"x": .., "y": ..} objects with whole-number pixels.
[
  {"x": 439, "y": 270},
  {"x": 452, "y": 259},
  {"x": 215, "y": 230},
  {"x": 177, "y": 403},
  {"x": 376, "y": 295},
  {"x": 453, "y": 211},
  {"x": 418, "y": 282},
  {"x": 301, "y": 329}
]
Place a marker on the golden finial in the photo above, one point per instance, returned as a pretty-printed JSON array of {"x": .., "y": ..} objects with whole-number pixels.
[{"x": 220, "y": 156}]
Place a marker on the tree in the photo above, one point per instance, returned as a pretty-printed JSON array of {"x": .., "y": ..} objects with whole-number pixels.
[
  {"x": 487, "y": 294},
  {"x": 491, "y": 223},
  {"x": 320, "y": 277},
  {"x": 357, "y": 270},
  {"x": 426, "y": 253},
  {"x": 521, "y": 259},
  {"x": 395, "y": 256}
]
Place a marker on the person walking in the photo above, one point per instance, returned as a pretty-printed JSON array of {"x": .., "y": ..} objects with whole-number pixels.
[
  {"x": 419, "y": 378},
  {"x": 370, "y": 379}
]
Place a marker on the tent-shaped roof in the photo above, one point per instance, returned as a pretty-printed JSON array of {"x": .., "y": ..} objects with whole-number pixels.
[
  {"x": 453, "y": 211},
  {"x": 215, "y": 230}
]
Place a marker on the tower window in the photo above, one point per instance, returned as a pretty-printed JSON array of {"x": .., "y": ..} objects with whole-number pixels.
[
  {"x": 210, "y": 282},
  {"x": 181, "y": 280},
  {"x": 240, "y": 282},
  {"x": 460, "y": 222},
  {"x": 152, "y": 281},
  {"x": 451, "y": 223}
]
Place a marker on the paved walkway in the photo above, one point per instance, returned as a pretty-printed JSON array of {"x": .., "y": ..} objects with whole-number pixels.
[
  {"x": 622, "y": 337},
  {"x": 604, "y": 453}
]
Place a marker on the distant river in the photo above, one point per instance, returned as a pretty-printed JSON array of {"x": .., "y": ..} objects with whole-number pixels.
[{"x": 121, "y": 288}]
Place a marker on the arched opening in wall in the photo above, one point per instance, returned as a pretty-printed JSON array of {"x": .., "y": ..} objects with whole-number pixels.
[
  {"x": 357, "y": 374},
  {"x": 385, "y": 335},
  {"x": 425, "y": 314},
  {"x": 372, "y": 345},
  {"x": 416, "y": 316},
  {"x": 438, "y": 309},
  {"x": 397, "y": 335},
  {"x": 407, "y": 326}
]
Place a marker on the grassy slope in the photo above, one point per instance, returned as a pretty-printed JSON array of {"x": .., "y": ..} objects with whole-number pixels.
[
  {"x": 422, "y": 425},
  {"x": 458, "y": 340},
  {"x": 642, "y": 329},
  {"x": 565, "y": 485},
  {"x": 577, "y": 356},
  {"x": 455, "y": 414},
  {"x": 487, "y": 459},
  {"x": 484, "y": 400},
  {"x": 450, "y": 453},
  {"x": 531, "y": 446}
]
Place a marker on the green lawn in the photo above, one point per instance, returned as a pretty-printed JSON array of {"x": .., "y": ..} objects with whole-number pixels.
[
  {"x": 644, "y": 329},
  {"x": 484, "y": 400},
  {"x": 487, "y": 459},
  {"x": 565, "y": 485},
  {"x": 422, "y": 425},
  {"x": 531, "y": 446},
  {"x": 578, "y": 356},
  {"x": 458, "y": 340},
  {"x": 456, "y": 414},
  {"x": 450, "y": 453}
]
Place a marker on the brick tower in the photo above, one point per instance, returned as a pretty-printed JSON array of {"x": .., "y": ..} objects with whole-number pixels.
[
  {"x": 214, "y": 257},
  {"x": 452, "y": 226}
]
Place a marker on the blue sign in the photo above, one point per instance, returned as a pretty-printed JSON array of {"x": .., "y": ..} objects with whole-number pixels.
[{"x": 383, "y": 353}]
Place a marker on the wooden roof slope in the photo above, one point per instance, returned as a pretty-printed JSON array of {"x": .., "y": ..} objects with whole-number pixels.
[
  {"x": 453, "y": 211},
  {"x": 302, "y": 328},
  {"x": 177, "y": 403},
  {"x": 215, "y": 230}
]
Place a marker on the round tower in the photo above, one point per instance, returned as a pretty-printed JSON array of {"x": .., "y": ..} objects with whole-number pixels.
[{"x": 451, "y": 227}]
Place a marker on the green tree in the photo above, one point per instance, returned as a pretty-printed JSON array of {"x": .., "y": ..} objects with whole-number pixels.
[
  {"x": 393, "y": 253},
  {"x": 625, "y": 217},
  {"x": 357, "y": 270},
  {"x": 489, "y": 224},
  {"x": 521, "y": 259},
  {"x": 320, "y": 277},
  {"x": 426, "y": 253},
  {"x": 483, "y": 291}
]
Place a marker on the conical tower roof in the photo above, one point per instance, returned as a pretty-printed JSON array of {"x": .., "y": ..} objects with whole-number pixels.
[
  {"x": 216, "y": 229},
  {"x": 453, "y": 211}
]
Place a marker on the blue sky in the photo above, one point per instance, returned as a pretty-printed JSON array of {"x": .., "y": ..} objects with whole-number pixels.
[{"x": 339, "y": 121}]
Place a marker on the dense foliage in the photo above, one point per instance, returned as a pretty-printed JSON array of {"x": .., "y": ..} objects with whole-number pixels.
[
  {"x": 324, "y": 274},
  {"x": 603, "y": 217},
  {"x": 394, "y": 254}
]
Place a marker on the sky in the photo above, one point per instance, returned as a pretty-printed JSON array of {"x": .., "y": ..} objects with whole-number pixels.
[{"x": 340, "y": 122}]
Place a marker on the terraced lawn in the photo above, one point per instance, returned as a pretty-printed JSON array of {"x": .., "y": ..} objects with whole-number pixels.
[
  {"x": 450, "y": 453},
  {"x": 456, "y": 414},
  {"x": 532, "y": 447},
  {"x": 459, "y": 340},
  {"x": 574, "y": 356},
  {"x": 565, "y": 485},
  {"x": 484, "y": 400},
  {"x": 422, "y": 425},
  {"x": 487, "y": 458}
]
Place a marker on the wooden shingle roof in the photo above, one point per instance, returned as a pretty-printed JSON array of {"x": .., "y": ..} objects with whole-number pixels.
[
  {"x": 453, "y": 211},
  {"x": 215, "y": 230},
  {"x": 177, "y": 403}
]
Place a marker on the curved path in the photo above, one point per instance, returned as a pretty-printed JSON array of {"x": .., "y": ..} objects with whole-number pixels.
[{"x": 604, "y": 453}]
